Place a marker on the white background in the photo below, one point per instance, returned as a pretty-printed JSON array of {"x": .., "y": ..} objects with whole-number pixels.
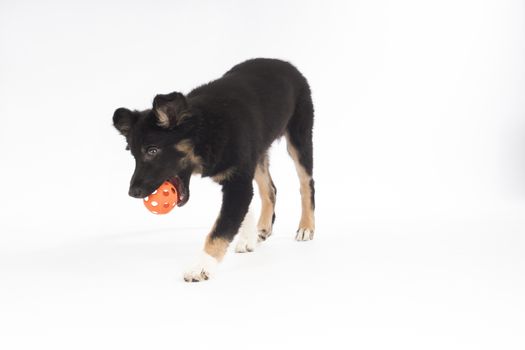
[{"x": 419, "y": 165}]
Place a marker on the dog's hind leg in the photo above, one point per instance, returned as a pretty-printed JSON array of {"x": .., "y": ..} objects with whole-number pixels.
[
  {"x": 268, "y": 194},
  {"x": 299, "y": 144}
]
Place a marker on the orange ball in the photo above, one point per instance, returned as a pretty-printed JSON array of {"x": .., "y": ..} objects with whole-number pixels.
[{"x": 162, "y": 200}]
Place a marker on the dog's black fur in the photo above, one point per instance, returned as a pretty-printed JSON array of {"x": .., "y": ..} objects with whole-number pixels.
[{"x": 230, "y": 123}]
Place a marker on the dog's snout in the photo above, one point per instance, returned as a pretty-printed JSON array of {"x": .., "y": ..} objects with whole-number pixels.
[{"x": 137, "y": 192}]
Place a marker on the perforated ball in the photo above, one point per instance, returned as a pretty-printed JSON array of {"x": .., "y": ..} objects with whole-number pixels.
[{"x": 163, "y": 199}]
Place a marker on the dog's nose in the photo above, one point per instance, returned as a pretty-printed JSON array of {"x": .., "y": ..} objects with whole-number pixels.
[{"x": 137, "y": 192}]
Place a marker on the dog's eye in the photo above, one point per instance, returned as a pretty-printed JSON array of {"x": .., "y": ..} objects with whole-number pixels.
[{"x": 152, "y": 150}]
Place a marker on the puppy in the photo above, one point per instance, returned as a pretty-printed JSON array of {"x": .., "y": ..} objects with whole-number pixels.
[{"x": 223, "y": 130}]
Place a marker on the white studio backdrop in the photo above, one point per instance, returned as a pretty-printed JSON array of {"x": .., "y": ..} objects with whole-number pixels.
[{"x": 419, "y": 163}]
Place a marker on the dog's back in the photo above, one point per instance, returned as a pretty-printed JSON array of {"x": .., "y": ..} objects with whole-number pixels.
[{"x": 257, "y": 98}]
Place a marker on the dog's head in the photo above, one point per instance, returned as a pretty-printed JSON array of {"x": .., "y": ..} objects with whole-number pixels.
[{"x": 160, "y": 140}]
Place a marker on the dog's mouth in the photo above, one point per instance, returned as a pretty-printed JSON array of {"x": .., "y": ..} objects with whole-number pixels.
[{"x": 182, "y": 190}]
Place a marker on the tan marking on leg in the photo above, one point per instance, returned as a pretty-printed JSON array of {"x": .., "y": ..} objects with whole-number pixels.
[
  {"x": 225, "y": 175},
  {"x": 264, "y": 183},
  {"x": 186, "y": 146},
  {"x": 307, "y": 216},
  {"x": 216, "y": 247}
]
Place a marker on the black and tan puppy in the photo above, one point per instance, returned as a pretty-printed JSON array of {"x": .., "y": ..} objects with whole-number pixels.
[{"x": 223, "y": 130}]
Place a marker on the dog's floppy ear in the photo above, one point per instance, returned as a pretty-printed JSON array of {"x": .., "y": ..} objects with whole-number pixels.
[
  {"x": 170, "y": 109},
  {"x": 123, "y": 120}
]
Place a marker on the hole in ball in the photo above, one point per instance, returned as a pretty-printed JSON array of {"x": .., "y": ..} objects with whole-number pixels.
[{"x": 153, "y": 203}]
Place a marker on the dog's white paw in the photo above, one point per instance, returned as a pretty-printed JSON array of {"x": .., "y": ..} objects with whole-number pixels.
[
  {"x": 304, "y": 234},
  {"x": 247, "y": 235},
  {"x": 246, "y": 244},
  {"x": 202, "y": 270}
]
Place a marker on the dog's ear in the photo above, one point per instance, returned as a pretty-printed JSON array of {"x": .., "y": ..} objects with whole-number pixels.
[
  {"x": 123, "y": 120},
  {"x": 170, "y": 109}
]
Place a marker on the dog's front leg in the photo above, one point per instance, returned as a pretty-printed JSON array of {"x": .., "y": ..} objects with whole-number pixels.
[{"x": 237, "y": 194}]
